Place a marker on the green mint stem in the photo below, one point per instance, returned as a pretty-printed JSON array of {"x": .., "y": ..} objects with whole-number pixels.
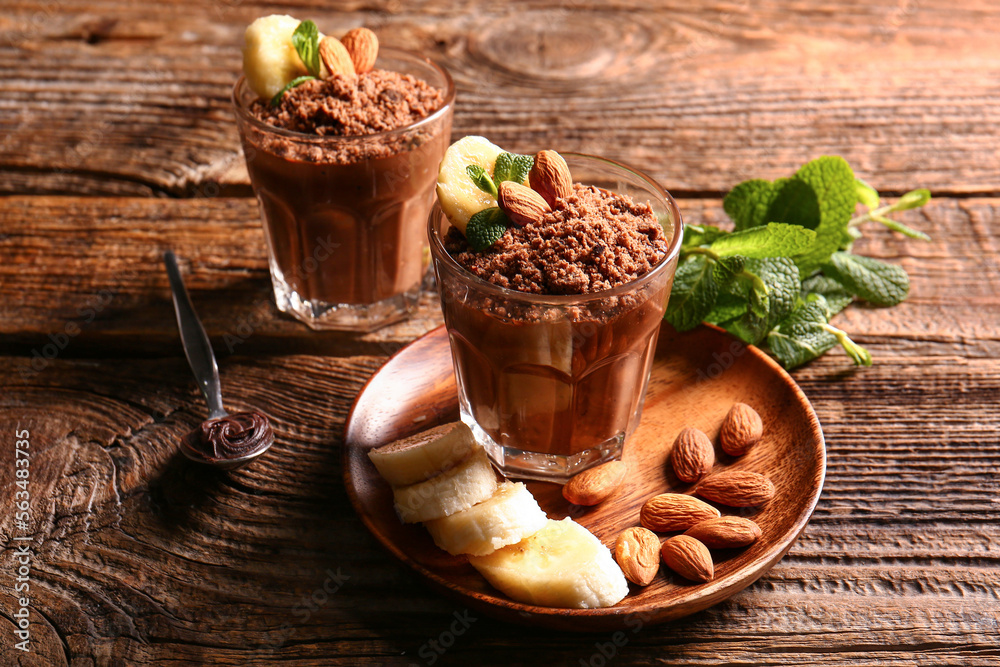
[
  {"x": 860, "y": 355},
  {"x": 701, "y": 251},
  {"x": 869, "y": 216},
  {"x": 758, "y": 284},
  {"x": 276, "y": 100}
]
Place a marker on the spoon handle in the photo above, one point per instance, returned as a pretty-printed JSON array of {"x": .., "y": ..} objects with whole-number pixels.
[{"x": 197, "y": 347}]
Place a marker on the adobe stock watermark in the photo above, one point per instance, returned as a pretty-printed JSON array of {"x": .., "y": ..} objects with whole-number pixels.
[
  {"x": 97, "y": 133},
  {"x": 607, "y": 651},
  {"x": 246, "y": 325},
  {"x": 897, "y": 18},
  {"x": 723, "y": 361},
  {"x": 433, "y": 649},
  {"x": 43, "y": 355},
  {"x": 308, "y": 605},
  {"x": 32, "y": 28}
]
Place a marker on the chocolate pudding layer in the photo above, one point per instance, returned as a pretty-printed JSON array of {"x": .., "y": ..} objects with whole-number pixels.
[
  {"x": 545, "y": 372},
  {"x": 344, "y": 170}
]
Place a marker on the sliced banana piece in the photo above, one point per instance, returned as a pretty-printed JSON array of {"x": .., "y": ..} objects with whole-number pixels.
[
  {"x": 471, "y": 481},
  {"x": 269, "y": 57},
  {"x": 459, "y": 197},
  {"x": 562, "y": 565},
  {"x": 423, "y": 455},
  {"x": 507, "y": 517}
]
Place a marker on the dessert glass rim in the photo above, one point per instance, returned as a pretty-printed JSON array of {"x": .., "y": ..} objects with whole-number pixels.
[
  {"x": 449, "y": 99},
  {"x": 673, "y": 250}
]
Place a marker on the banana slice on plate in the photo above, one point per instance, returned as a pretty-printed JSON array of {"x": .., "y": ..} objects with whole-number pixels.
[
  {"x": 507, "y": 517},
  {"x": 471, "y": 481},
  {"x": 562, "y": 565},
  {"x": 460, "y": 198},
  {"x": 423, "y": 455},
  {"x": 269, "y": 57}
]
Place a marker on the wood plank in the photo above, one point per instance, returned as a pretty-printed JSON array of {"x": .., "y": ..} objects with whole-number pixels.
[
  {"x": 143, "y": 557},
  {"x": 701, "y": 96},
  {"x": 70, "y": 260}
]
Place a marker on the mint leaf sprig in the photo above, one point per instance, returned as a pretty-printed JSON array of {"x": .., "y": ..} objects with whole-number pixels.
[
  {"x": 487, "y": 226},
  {"x": 787, "y": 268},
  {"x": 305, "y": 39}
]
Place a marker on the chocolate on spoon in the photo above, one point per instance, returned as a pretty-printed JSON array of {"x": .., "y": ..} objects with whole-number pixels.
[{"x": 223, "y": 440}]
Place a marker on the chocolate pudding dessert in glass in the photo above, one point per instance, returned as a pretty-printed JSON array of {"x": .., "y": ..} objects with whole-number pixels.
[
  {"x": 343, "y": 166},
  {"x": 553, "y": 327}
]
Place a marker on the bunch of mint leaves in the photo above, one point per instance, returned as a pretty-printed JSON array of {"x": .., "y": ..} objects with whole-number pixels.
[{"x": 787, "y": 268}]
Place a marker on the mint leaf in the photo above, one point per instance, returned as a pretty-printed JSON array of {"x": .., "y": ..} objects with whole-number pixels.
[
  {"x": 727, "y": 307},
  {"x": 866, "y": 194},
  {"x": 482, "y": 180},
  {"x": 802, "y": 336},
  {"x": 695, "y": 235},
  {"x": 305, "y": 39},
  {"x": 774, "y": 240},
  {"x": 693, "y": 294},
  {"x": 836, "y": 295},
  {"x": 727, "y": 268},
  {"x": 912, "y": 199},
  {"x": 781, "y": 277},
  {"x": 512, "y": 167},
  {"x": 833, "y": 182},
  {"x": 747, "y": 203},
  {"x": 876, "y": 282},
  {"x": 795, "y": 202},
  {"x": 276, "y": 100},
  {"x": 486, "y": 227}
]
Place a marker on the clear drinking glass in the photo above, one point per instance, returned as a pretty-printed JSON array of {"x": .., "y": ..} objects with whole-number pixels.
[
  {"x": 552, "y": 385},
  {"x": 344, "y": 216}
]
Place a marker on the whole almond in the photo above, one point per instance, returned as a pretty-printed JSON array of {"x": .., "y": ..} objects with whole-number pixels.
[
  {"x": 741, "y": 430},
  {"x": 674, "y": 512},
  {"x": 688, "y": 557},
  {"x": 595, "y": 485},
  {"x": 736, "y": 488},
  {"x": 692, "y": 455},
  {"x": 550, "y": 177},
  {"x": 335, "y": 57},
  {"x": 362, "y": 45},
  {"x": 725, "y": 532},
  {"x": 638, "y": 554},
  {"x": 521, "y": 204}
]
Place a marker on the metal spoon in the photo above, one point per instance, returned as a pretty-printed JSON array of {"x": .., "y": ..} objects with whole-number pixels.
[{"x": 201, "y": 358}]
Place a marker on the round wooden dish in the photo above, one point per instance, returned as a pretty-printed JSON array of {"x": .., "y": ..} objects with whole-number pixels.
[{"x": 696, "y": 377}]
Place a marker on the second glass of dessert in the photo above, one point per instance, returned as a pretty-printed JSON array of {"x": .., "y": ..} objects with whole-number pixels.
[
  {"x": 553, "y": 293},
  {"x": 342, "y": 140}
]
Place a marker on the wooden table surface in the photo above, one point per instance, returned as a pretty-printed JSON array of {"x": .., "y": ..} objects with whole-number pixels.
[{"x": 117, "y": 142}]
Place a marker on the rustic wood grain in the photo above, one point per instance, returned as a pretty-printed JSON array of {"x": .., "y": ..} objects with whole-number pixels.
[
  {"x": 70, "y": 260},
  {"x": 145, "y": 558},
  {"x": 95, "y": 265},
  {"x": 703, "y": 95}
]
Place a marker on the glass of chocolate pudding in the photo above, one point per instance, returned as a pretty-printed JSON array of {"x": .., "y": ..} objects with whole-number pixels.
[
  {"x": 344, "y": 171},
  {"x": 554, "y": 327}
]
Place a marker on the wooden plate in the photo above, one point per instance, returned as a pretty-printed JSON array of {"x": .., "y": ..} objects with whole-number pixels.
[{"x": 696, "y": 378}]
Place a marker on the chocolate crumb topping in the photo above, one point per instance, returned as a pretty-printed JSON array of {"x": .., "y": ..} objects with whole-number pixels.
[
  {"x": 591, "y": 241},
  {"x": 376, "y": 101}
]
